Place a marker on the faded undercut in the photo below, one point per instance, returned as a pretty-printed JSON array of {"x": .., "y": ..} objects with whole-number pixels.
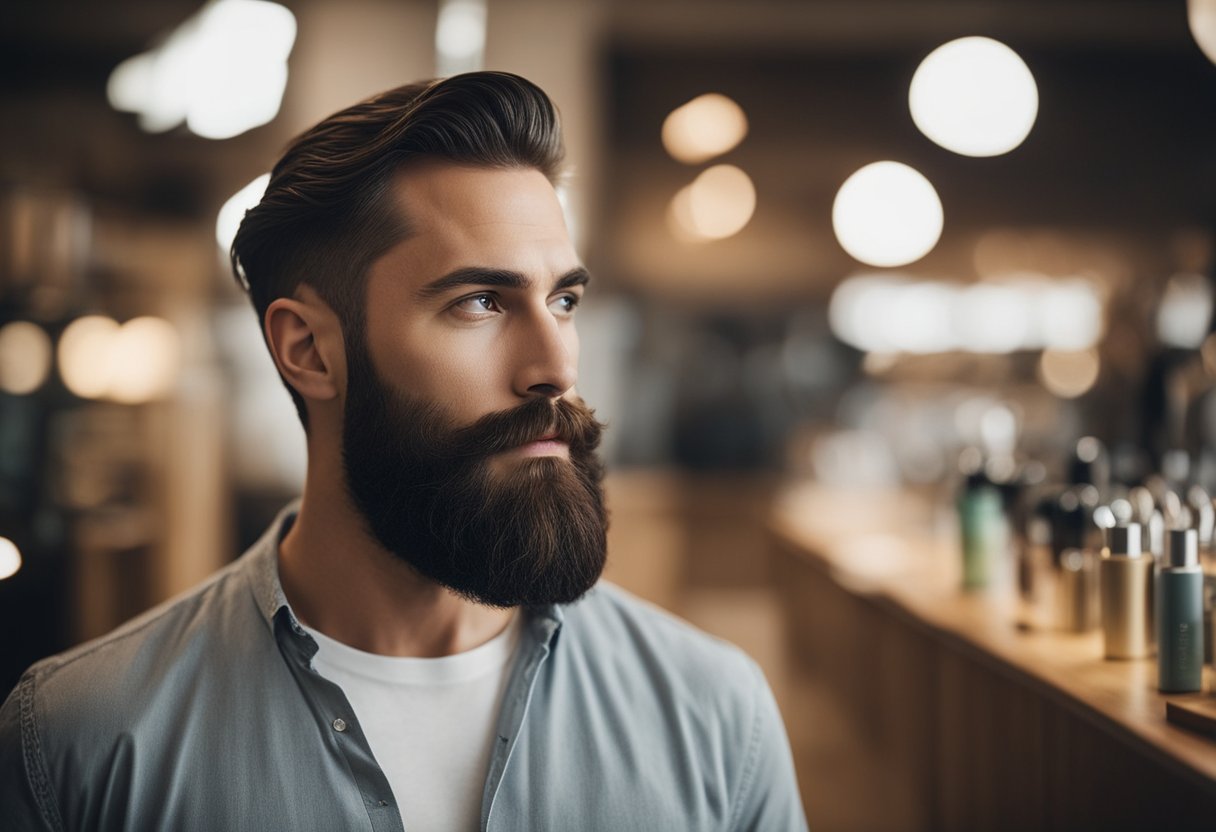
[{"x": 328, "y": 212}]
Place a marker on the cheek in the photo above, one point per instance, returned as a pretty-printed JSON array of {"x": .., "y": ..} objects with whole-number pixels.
[
  {"x": 572, "y": 343},
  {"x": 460, "y": 374}
]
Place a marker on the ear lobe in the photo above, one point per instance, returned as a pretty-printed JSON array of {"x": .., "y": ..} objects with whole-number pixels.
[{"x": 302, "y": 341}]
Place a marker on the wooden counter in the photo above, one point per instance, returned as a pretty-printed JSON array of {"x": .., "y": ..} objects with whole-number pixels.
[{"x": 979, "y": 722}]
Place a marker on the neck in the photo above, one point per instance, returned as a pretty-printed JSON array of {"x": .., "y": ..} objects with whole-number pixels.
[{"x": 342, "y": 582}]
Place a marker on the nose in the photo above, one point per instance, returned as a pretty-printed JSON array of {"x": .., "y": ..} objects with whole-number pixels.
[{"x": 547, "y": 356}]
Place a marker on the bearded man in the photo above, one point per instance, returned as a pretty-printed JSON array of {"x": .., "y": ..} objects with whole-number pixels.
[{"x": 422, "y": 640}]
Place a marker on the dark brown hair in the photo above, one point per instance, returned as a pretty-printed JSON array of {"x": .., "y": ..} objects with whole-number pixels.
[{"x": 328, "y": 214}]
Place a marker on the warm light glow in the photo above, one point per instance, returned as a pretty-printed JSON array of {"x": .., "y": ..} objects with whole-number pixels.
[
  {"x": 1185, "y": 311},
  {"x": 998, "y": 429},
  {"x": 84, "y": 355},
  {"x": 132, "y": 364},
  {"x": 679, "y": 217},
  {"x": 1201, "y": 16},
  {"x": 974, "y": 96},
  {"x": 717, "y": 205},
  {"x": 233, "y": 211},
  {"x": 721, "y": 200},
  {"x": 1069, "y": 374},
  {"x": 143, "y": 360},
  {"x": 25, "y": 357},
  {"x": 887, "y": 214},
  {"x": 993, "y": 318},
  {"x": 460, "y": 36},
  {"x": 10, "y": 558},
  {"x": 705, "y": 127},
  {"x": 891, "y": 313},
  {"x": 1069, "y": 314},
  {"x": 920, "y": 322},
  {"x": 222, "y": 72}
]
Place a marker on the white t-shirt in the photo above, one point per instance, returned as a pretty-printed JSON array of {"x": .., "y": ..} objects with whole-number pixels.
[{"x": 430, "y": 722}]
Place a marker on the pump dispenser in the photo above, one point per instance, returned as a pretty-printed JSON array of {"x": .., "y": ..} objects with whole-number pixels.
[
  {"x": 1126, "y": 581},
  {"x": 1179, "y": 608}
]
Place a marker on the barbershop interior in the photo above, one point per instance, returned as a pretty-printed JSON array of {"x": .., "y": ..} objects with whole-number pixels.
[{"x": 902, "y": 325}]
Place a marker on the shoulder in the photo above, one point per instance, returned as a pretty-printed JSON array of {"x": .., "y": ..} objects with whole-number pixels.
[
  {"x": 135, "y": 650},
  {"x": 640, "y": 640},
  {"x": 107, "y": 684},
  {"x": 651, "y": 692},
  {"x": 75, "y": 716}
]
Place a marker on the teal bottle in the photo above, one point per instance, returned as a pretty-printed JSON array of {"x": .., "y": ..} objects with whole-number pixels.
[
  {"x": 984, "y": 531},
  {"x": 1179, "y": 614}
]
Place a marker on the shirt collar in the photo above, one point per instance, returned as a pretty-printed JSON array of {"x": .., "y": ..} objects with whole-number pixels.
[{"x": 262, "y": 566}]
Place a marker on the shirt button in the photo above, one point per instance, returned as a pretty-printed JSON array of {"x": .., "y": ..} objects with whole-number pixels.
[{"x": 339, "y": 725}]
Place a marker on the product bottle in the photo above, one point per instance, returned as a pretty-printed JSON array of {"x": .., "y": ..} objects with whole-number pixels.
[
  {"x": 1179, "y": 606},
  {"x": 1077, "y": 543},
  {"x": 1126, "y": 580},
  {"x": 1036, "y": 566},
  {"x": 1204, "y": 515},
  {"x": 984, "y": 530}
]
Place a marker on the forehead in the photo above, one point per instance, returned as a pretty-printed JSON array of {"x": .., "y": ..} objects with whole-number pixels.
[{"x": 461, "y": 216}]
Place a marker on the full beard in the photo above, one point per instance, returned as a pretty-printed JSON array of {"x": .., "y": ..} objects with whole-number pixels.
[{"x": 530, "y": 531}]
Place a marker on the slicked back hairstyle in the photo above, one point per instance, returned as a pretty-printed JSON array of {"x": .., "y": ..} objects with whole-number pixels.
[{"x": 328, "y": 211}]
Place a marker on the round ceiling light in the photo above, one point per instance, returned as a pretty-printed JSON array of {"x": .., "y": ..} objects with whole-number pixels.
[
  {"x": 887, "y": 214},
  {"x": 974, "y": 96}
]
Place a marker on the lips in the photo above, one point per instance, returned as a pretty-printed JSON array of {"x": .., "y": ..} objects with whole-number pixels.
[{"x": 548, "y": 444}]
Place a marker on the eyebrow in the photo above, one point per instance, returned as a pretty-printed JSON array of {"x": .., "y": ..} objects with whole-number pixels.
[{"x": 502, "y": 278}]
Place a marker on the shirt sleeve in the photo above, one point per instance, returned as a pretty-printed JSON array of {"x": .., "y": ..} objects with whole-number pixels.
[
  {"x": 24, "y": 788},
  {"x": 768, "y": 791}
]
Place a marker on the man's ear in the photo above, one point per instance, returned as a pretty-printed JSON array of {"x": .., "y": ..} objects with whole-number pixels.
[{"x": 305, "y": 339}]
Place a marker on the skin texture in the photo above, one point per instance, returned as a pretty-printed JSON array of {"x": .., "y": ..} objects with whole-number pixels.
[{"x": 471, "y": 349}]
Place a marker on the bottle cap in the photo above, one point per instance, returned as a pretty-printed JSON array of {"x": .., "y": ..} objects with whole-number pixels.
[
  {"x": 1125, "y": 540},
  {"x": 1183, "y": 550}
]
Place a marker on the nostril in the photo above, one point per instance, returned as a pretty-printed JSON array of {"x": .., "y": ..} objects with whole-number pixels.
[{"x": 550, "y": 390}]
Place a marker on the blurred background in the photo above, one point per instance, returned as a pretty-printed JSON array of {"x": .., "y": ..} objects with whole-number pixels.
[{"x": 843, "y": 245}]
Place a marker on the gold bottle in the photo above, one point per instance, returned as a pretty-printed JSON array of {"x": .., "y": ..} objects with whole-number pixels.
[{"x": 1126, "y": 579}]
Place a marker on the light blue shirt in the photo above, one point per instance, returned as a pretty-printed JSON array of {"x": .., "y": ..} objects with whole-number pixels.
[{"x": 206, "y": 714}]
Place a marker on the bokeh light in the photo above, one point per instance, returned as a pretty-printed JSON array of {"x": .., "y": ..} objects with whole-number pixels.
[
  {"x": 143, "y": 360},
  {"x": 84, "y": 355},
  {"x": 705, "y": 127},
  {"x": 222, "y": 72},
  {"x": 974, "y": 96},
  {"x": 1185, "y": 311},
  {"x": 721, "y": 200},
  {"x": 10, "y": 558},
  {"x": 887, "y": 214},
  {"x": 134, "y": 363},
  {"x": 993, "y": 318},
  {"x": 894, "y": 313},
  {"x": 233, "y": 211},
  {"x": 1201, "y": 17},
  {"x": 460, "y": 36},
  {"x": 718, "y": 204},
  {"x": 1069, "y": 374},
  {"x": 25, "y": 357}
]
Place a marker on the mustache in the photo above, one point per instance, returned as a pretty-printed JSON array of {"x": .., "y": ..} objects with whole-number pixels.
[{"x": 567, "y": 420}]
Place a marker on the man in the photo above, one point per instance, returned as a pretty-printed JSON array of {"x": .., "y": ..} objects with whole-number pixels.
[{"x": 421, "y": 641}]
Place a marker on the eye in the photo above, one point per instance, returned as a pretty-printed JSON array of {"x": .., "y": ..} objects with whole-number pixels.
[
  {"x": 477, "y": 305},
  {"x": 565, "y": 304}
]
